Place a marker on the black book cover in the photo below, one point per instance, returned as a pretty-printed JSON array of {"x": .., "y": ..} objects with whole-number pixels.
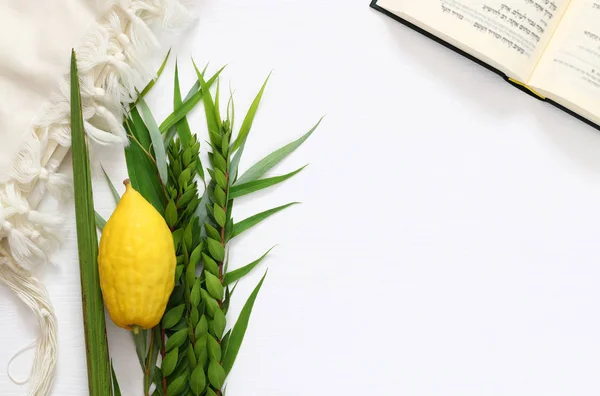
[{"x": 478, "y": 61}]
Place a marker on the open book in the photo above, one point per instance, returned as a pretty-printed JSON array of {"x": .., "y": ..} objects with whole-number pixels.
[{"x": 550, "y": 48}]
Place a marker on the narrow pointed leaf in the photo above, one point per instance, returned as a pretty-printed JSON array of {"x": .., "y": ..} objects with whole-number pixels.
[
  {"x": 249, "y": 119},
  {"x": 187, "y": 105},
  {"x": 98, "y": 364},
  {"x": 239, "y": 329},
  {"x": 168, "y": 137},
  {"x": 157, "y": 141},
  {"x": 115, "y": 382},
  {"x": 243, "y": 189},
  {"x": 238, "y": 274},
  {"x": 264, "y": 165},
  {"x": 149, "y": 86},
  {"x": 235, "y": 163},
  {"x": 100, "y": 222},
  {"x": 183, "y": 127},
  {"x": 140, "y": 341},
  {"x": 212, "y": 122},
  {"x": 251, "y": 221},
  {"x": 113, "y": 190}
]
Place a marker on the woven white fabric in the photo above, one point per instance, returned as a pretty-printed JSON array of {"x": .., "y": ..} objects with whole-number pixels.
[{"x": 111, "y": 39}]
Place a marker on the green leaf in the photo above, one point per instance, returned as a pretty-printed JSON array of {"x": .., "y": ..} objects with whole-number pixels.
[
  {"x": 202, "y": 327},
  {"x": 155, "y": 341},
  {"x": 220, "y": 179},
  {"x": 249, "y": 119},
  {"x": 100, "y": 222},
  {"x": 184, "y": 177},
  {"x": 113, "y": 190},
  {"x": 116, "y": 387},
  {"x": 235, "y": 162},
  {"x": 239, "y": 329},
  {"x": 251, "y": 221},
  {"x": 214, "y": 286},
  {"x": 225, "y": 342},
  {"x": 196, "y": 254},
  {"x": 218, "y": 323},
  {"x": 192, "y": 361},
  {"x": 188, "y": 104},
  {"x": 210, "y": 264},
  {"x": 188, "y": 237},
  {"x": 141, "y": 169},
  {"x": 148, "y": 87},
  {"x": 169, "y": 136},
  {"x": 176, "y": 340},
  {"x": 219, "y": 161},
  {"x": 247, "y": 188},
  {"x": 213, "y": 123},
  {"x": 217, "y": 251},
  {"x": 212, "y": 231},
  {"x": 140, "y": 341},
  {"x": 211, "y": 304},
  {"x": 198, "y": 380},
  {"x": 219, "y": 214},
  {"x": 220, "y": 197},
  {"x": 186, "y": 197},
  {"x": 175, "y": 387},
  {"x": 176, "y": 297},
  {"x": 201, "y": 212},
  {"x": 171, "y": 214},
  {"x": 200, "y": 347},
  {"x": 210, "y": 392},
  {"x": 214, "y": 349},
  {"x": 172, "y": 316},
  {"x": 183, "y": 127},
  {"x": 238, "y": 274},
  {"x": 178, "y": 272},
  {"x": 157, "y": 141},
  {"x": 216, "y": 374},
  {"x": 177, "y": 237},
  {"x": 195, "y": 293},
  {"x": 170, "y": 362},
  {"x": 264, "y": 165},
  {"x": 99, "y": 374},
  {"x": 157, "y": 379}
]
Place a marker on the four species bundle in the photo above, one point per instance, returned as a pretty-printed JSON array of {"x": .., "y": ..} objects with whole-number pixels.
[{"x": 163, "y": 267}]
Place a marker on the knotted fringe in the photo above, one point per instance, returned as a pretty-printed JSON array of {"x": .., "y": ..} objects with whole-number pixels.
[
  {"x": 111, "y": 68},
  {"x": 31, "y": 291}
]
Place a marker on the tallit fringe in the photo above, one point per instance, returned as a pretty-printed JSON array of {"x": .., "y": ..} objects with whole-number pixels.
[
  {"x": 33, "y": 294},
  {"x": 111, "y": 68}
]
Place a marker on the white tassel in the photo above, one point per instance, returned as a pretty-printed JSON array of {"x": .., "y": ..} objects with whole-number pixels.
[
  {"x": 26, "y": 166},
  {"x": 57, "y": 184},
  {"x": 101, "y": 137},
  {"x": 33, "y": 294},
  {"x": 24, "y": 251}
]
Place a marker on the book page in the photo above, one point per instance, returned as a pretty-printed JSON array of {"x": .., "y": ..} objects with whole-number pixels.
[
  {"x": 509, "y": 34},
  {"x": 570, "y": 67}
]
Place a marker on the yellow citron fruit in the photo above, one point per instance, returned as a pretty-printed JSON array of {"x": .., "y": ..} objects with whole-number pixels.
[{"x": 137, "y": 263}]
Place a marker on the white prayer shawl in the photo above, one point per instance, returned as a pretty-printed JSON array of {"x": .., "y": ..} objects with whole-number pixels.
[{"x": 111, "y": 38}]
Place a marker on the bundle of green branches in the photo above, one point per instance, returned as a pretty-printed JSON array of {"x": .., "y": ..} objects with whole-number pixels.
[{"x": 196, "y": 345}]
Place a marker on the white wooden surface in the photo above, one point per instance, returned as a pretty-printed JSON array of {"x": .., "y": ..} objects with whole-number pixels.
[{"x": 448, "y": 239}]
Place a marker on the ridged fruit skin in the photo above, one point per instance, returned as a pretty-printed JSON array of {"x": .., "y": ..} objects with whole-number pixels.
[{"x": 137, "y": 263}]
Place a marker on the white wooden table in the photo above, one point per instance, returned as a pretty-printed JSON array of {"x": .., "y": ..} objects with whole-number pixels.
[{"x": 447, "y": 244}]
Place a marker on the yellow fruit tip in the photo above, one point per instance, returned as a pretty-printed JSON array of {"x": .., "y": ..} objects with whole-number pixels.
[
  {"x": 126, "y": 182},
  {"x": 136, "y": 330}
]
